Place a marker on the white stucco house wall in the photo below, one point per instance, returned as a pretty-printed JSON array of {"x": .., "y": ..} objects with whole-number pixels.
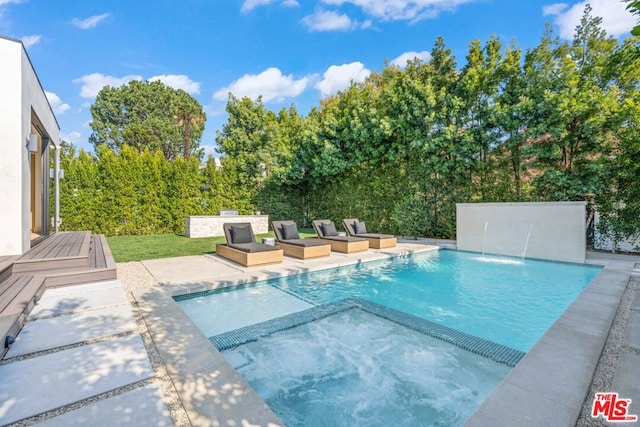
[{"x": 29, "y": 133}]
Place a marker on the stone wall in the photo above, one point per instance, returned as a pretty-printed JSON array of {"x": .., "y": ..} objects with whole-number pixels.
[
  {"x": 211, "y": 226},
  {"x": 544, "y": 230}
]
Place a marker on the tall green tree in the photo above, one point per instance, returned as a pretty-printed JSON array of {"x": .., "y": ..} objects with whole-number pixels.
[
  {"x": 513, "y": 109},
  {"x": 478, "y": 88},
  {"x": 148, "y": 115},
  {"x": 249, "y": 141},
  {"x": 567, "y": 131}
]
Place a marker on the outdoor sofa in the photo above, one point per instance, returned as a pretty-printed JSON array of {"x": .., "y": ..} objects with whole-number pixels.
[
  {"x": 288, "y": 239},
  {"x": 376, "y": 240},
  {"x": 326, "y": 231},
  {"x": 242, "y": 247}
]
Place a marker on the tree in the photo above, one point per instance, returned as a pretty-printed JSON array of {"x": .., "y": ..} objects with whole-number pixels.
[
  {"x": 478, "y": 88},
  {"x": 148, "y": 115},
  {"x": 249, "y": 140},
  {"x": 634, "y": 7},
  {"x": 577, "y": 102},
  {"x": 512, "y": 112}
]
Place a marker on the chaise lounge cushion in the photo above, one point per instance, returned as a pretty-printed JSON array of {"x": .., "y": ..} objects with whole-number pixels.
[
  {"x": 360, "y": 227},
  {"x": 254, "y": 247},
  {"x": 329, "y": 229},
  {"x": 290, "y": 232},
  {"x": 241, "y": 234},
  {"x": 350, "y": 225}
]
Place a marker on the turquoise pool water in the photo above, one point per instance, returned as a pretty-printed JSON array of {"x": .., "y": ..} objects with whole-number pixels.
[
  {"x": 357, "y": 369},
  {"x": 505, "y": 300},
  {"x": 361, "y": 369}
]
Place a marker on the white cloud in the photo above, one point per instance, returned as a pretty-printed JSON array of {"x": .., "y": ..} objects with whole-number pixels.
[
  {"x": 249, "y": 5},
  {"x": 339, "y": 77},
  {"x": 178, "y": 81},
  {"x": 271, "y": 84},
  {"x": 4, "y": 2},
  {"x": 395, "y": 10},
  {"x": 554, "y": 9},
  {"x": 92, "y": 83},
  {"x": 326, "y": 20},
  {"x": 72, "y": 137},
  {"x": 56, "y": 103},
  {"x": 401, "y": 61},
  {"x": 89, "y": 22},
  {"x": 616, "y": 20},
  {"x": 29, "y": 41}
]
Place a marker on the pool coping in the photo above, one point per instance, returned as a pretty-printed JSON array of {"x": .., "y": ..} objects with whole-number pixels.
[{"x": 547, "y": 387}]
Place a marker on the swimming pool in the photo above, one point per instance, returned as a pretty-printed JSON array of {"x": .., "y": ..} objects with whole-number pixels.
[{"x": 506, "y": 301}]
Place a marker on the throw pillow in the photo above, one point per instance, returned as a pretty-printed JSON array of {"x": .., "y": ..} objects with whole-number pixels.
[
  {"x": 290, "y": 232},
  {"x": 329, "y": 229},
  {"x": 241, "y": 234},
  {"x": 359, "y": 227}
]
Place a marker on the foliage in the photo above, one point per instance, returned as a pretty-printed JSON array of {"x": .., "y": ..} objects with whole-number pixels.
[
  {"x": 412, "y": 216},
  {"x": 147, "y": 115},
  {"x": 634, "y": 7},
  {"x": 399, "y": 150}
]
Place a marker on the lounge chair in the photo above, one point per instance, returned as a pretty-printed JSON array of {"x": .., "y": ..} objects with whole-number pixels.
[
  {"x": 326, "y": 231},
  {"x": 288, "y": 239},
  {"x": 242, "y": 247},
  {"x": 376, "y": 240}
]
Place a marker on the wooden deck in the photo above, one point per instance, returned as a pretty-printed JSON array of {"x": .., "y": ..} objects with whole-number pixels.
[{"x": 62, "y": 259}]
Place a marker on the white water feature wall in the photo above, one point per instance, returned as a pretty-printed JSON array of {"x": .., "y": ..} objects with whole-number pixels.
[{"x": 544, "y": 230}]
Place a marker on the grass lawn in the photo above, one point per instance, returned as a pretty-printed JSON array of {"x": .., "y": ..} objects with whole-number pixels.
[{"x": 136, "y": 248}]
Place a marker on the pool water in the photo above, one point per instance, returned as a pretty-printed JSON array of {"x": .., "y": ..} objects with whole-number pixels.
[
  {"x": 357, "y": 369},
  {"x": 505, "y": 300},
  {"x": 363, "y": 369}
]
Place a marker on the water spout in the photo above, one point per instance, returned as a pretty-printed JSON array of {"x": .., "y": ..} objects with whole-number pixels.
[
  {"x": 526, "y": 243},
  {"x": 484, "y": 237}
]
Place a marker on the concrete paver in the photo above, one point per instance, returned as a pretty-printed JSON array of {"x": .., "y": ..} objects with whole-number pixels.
[
  {"x": 33, "y": 386},
  {"x": 77, "y": 289},
  {"x": 140, "y": 407},
  {"x": 625, "y": 381},
  {"x": 632, "y": 332},
  {"x": 187, "y": 269},
  {"x": 70, "y": 329},
  {"x": 77, "y": 301}
]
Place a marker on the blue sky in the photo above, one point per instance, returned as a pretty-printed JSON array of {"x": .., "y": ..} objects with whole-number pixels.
[{"x": 290, "y": 51}]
